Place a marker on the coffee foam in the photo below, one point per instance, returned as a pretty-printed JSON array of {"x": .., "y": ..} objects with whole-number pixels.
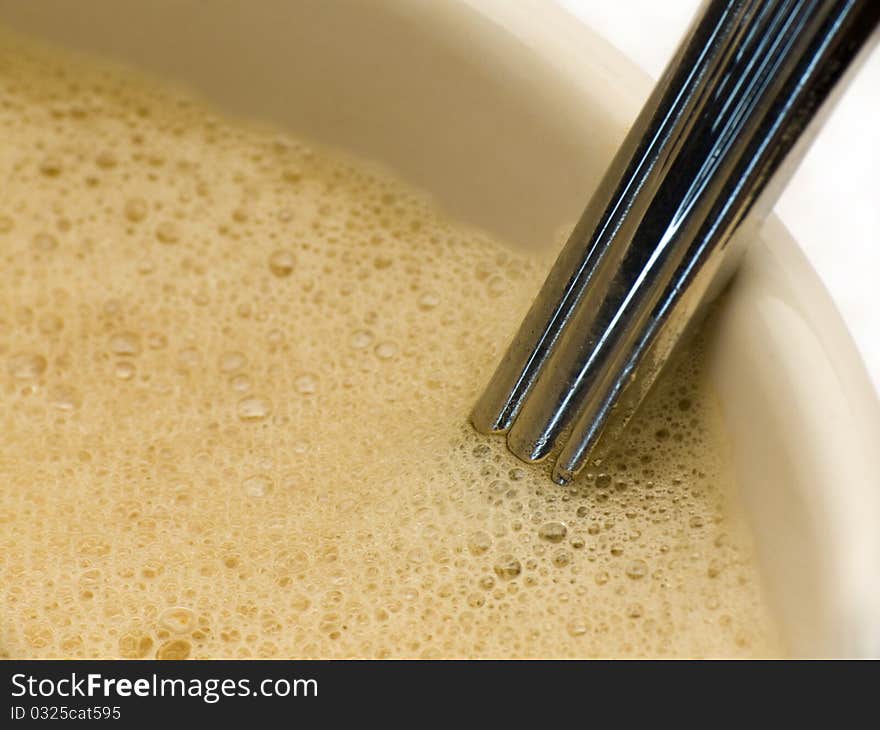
[{"x": 236, "y": 377}]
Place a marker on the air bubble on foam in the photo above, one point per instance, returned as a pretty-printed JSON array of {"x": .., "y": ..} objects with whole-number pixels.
[
  {"x": 45, "y": 242},
  {"x": 637, "y": 569},
  {"x": 360, "y": 339},
  {"x": 174, "y": 649},
  {"x": 254, "y": 408},
  {"x": 507, "y": 567},
  {"x": 258, "y": 485},
  {"x": 282, "y": 263},
  {"x": 178, "y": 620},
  {"x": 496, "y": 286},
  {"x": 26, "y": 365},
  {"x": 561, "y": 558},
  {"x": 232, "y": 360},
  {"x": 136, "y": 209},
  {"x": 428, "y": 301},
  {"x": 157, "y": 341},
  {"x": 240, "y": 383},
  {"x": 168, "y": 232},
  {"x": 64, "y": 398},
  {"x": 124, "y": 370},
  {"x": 125, "y": 343},
  {"x": 306, "y": 384},
  {"x": 51, "y": 166},
  {"x": 553, "y": 531},
  {"x": 577, "y": 627},
  {"x": 479, "y": 542},
  {"x": 50, "y": 324},
  {"x": 386, "y": 350}
]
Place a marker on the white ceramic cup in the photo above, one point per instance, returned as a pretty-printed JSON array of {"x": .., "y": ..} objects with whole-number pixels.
[{"x": 508, "y": 113}]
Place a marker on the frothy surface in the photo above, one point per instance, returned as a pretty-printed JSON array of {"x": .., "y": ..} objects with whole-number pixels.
[{"x": 236, "y": 372}]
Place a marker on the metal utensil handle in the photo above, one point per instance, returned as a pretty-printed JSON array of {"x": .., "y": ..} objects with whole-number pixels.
[{"x": 705, "y": 161}]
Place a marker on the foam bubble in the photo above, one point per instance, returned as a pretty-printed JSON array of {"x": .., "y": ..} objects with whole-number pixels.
[{"x": 27, "y": 365}]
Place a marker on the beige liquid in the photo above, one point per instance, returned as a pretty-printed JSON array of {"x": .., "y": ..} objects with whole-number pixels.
[{"x": 236, "y": 373}]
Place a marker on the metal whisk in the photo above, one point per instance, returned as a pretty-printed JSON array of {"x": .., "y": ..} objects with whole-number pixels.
[{"x": 701, "y": 167}]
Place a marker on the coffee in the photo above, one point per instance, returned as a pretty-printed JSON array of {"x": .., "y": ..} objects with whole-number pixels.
[{"x": 236, "y": 377}]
